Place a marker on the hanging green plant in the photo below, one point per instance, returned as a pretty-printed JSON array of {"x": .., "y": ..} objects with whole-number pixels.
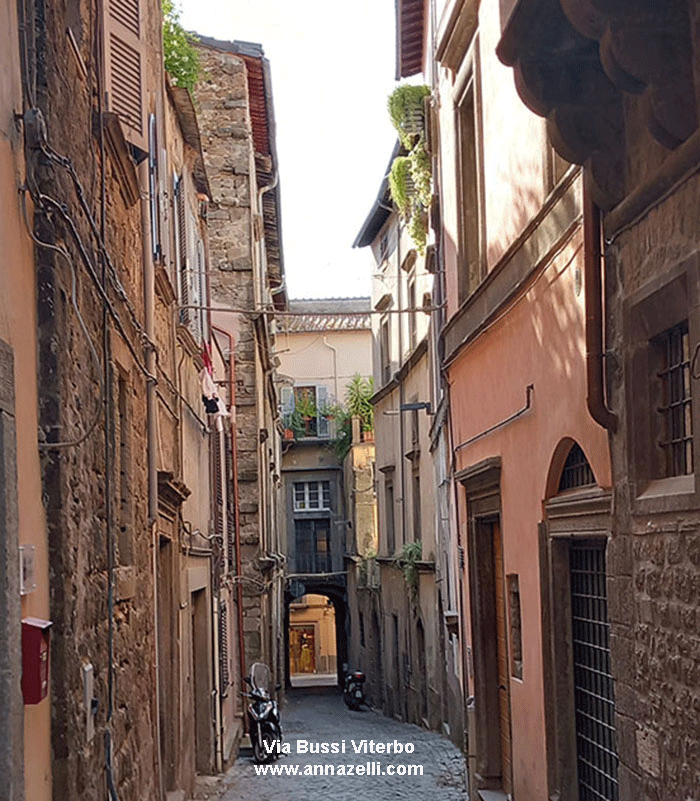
[
  {"x": 401, "y": 184},
  {"x": 418, "y": 230},
  {"x": 421, "y": 173},
  {"x": 410, "y": 177},
  {"x": 407, "y": 112}
]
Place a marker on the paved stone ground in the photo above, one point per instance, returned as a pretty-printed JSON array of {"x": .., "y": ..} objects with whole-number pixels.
[{"x": 320, "y": 716}]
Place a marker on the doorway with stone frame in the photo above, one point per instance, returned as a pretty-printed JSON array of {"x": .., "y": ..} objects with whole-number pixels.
[{"x": 580, "y": 702}]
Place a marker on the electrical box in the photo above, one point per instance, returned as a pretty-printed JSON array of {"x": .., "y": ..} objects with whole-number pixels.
[{"x": 35, "y": 659}]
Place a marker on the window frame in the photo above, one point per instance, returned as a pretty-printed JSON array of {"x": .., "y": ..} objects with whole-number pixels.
[
  {"x": 323, "y": 488},
  {"x": 658, "y": 306}
]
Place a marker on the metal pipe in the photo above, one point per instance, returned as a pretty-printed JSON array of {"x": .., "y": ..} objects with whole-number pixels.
[
  {"x": 151, "y": 435},
  {"x": 237, "y": 523},
  {"x": 595, "y": 396},
  {"x": 335, "y": 365},
  {"x": 528, "y": 403}
]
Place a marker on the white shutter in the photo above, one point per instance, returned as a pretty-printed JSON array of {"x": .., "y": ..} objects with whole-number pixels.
[
  {"x": 202, "y": 276},
  {"x": 287, "y": 405},
  {"x": 154, "y": 187},
  {"x": 193, "y": 278},
  {"x": 124, "y": 67},
  {"x": 322, "y": 428}
]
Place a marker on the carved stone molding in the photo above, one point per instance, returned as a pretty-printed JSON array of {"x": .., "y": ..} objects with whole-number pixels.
[{"x": 574, "y": 60}]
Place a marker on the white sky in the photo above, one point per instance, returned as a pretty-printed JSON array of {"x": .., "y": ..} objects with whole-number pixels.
[{"x": 332, "y": 67}]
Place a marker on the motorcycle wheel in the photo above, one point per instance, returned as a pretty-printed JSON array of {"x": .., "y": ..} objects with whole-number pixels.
[{"x": 262, "y": 754}]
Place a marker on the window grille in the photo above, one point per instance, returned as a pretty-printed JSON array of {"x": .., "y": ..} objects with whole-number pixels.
[
  {"x": 223, "y": 649},
  {"x": 675, "y": 411},
  {"x": 594, "y": 699},
  {"x": 577, "y": 471}
]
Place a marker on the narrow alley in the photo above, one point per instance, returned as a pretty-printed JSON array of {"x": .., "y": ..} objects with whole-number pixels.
[{"x": 318, "y": 715}]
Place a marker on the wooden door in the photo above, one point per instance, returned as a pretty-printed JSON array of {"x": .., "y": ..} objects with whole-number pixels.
[{"x": 502, "y": 659}]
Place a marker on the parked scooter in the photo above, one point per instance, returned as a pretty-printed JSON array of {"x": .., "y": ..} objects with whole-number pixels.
[
  {"x": 353, "y": 693},
  {"x": 263, "y": 715}
]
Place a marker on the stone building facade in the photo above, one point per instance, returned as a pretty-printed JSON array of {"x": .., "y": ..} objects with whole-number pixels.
[
  {"x": 636, "y": 131},
  {"x": 236, "y": 117},
  {"x": 25, "y": 744},
  {"x": 409, "y": 593},
  {"x": 119, "y": 451},
  {"x": 322, "y": 345}
]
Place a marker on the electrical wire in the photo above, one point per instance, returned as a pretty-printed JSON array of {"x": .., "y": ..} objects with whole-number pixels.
[
  {"x": 67, "y": 164},
  {"x": 59, "y": 208},
  {"x": 74, "y": 302}
]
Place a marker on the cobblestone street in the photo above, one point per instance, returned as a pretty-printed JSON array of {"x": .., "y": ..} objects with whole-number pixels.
[{"x": 320, "y": 716}]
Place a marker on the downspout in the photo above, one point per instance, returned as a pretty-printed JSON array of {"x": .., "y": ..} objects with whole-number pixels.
[
  {"x": 151, "y": 432},
  {"x": 335, "y": 365},
  {"x": 265, "y": 513},
  {"x": 595, "y": 397},
  {"x": 236, "y": 521}
]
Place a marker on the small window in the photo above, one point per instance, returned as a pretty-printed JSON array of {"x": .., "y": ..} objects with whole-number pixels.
[
  {"x": 412, "y": 314},
  {"x": 577, "y": 471},
  {"x": 389, "y": 512},
  {"x": 385, "y": 351},
  {"x": 312, "y": 496},
  {"x": 674, "y": 423}
]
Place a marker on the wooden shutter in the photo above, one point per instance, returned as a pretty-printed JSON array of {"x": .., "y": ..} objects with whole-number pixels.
[
  {"x": 224, "y": 649},
  {"x": 230, "y": 501},
  {"x": 183, "y": 287},
  {"x": 218, "y": 489},
  {"x": 125, "y": 67}
]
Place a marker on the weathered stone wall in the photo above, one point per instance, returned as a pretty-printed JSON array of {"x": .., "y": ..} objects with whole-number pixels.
[
  {"x": 222, "y": 101},
  {"x": 654, "y": 554},
  {"x": 81, "y": 482}
]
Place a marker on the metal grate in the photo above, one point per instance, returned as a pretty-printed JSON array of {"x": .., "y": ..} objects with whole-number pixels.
[
  {"x": 577, "y": 472},
  {"x": 675, "y": 409},
  {"x": 593, "y": 683},
  {"x": 223, "y": 649}
]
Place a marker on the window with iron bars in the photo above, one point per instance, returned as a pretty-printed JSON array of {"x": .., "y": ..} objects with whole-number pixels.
[
  {"x": 577, "y": 471},
  {"x": 674, "y": 412}
]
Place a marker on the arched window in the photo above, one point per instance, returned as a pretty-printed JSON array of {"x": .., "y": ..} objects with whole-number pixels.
[{"x": 576, "y": 472}]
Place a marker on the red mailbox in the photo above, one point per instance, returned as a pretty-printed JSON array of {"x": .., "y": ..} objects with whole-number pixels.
[{"x": 35, "y": 659}]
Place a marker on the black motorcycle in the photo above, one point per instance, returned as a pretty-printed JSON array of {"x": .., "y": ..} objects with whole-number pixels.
[
  {"x": 353, "y": 693},
  {"x": 263, "y": 716}
]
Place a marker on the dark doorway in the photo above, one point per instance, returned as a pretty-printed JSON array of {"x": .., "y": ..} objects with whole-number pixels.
[
  {"x": 200, "y": 683},
  {"x": 491, "y": 664}
]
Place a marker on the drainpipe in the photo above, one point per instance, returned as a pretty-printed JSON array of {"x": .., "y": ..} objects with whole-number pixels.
[
  {"x": 335, "y": 365},
  {"x": 151, "y": 434},
  {"x": 237, "y": 522},
  {"x": 594, "y": 310}
]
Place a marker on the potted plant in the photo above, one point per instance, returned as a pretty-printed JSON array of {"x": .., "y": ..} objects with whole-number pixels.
[{"x": 407, "y": 112}]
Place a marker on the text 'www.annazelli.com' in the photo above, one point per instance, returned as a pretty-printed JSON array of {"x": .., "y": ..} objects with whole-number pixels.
[{"x": 368, "y": 769}]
